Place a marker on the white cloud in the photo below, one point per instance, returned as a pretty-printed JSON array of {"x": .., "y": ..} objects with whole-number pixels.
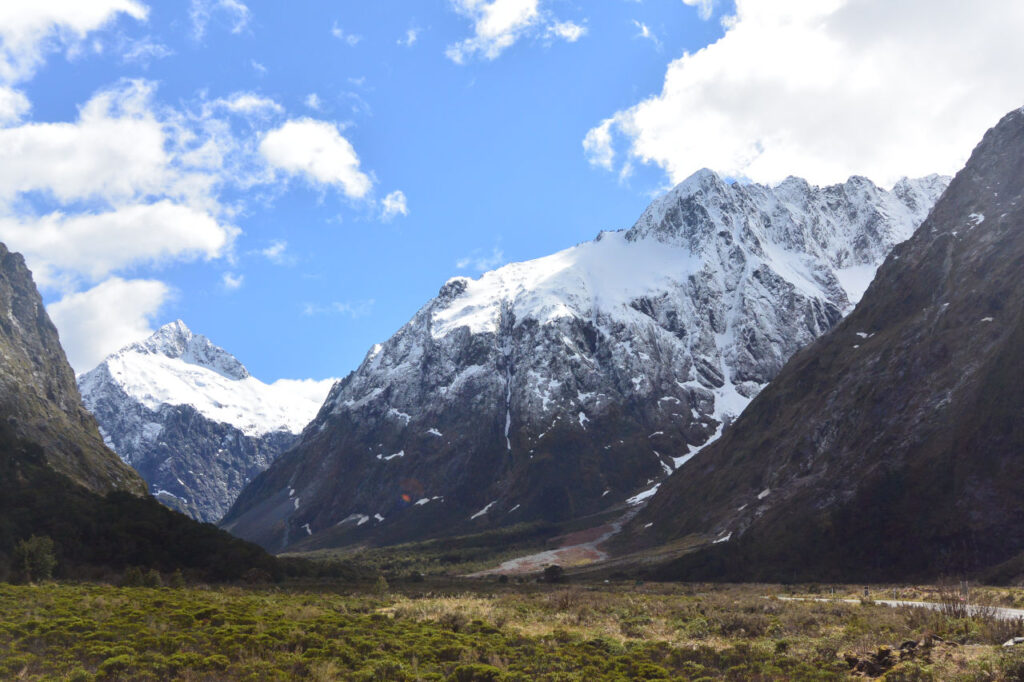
[
  {"x": 352, "y": 309},
  {"x": 567, "y": 31},
  {"x": 597, "y": 145},
  {"x": 480, "y": 261},
  {"x": 116, "y": 150},
  {"x": 350, "y": 39},
  {"x": 830, "y": 88},
  {"x": 313, "y": 101},
  {"x": 202, "y": 11},
  {"x": 704, "y": 7},
  {"x": 13, "y": 105},
  {"x": 317, "y": 151},
  {"x": 231, "y": 281},
  {"x": 411, "y": 36},
  {"x": 277, "y": 253},
  {"x": 249, "y": 103},
  {"x": 497, "y": 26},
  {"x": 646, "y": 33},
  {"x": 61, "y": 247},
  {"x": 143, "y": 51},
  {"x": 29, "y": 29},
  {"x": 393, "y": 205},
  {"x": 100, "y": 321}
]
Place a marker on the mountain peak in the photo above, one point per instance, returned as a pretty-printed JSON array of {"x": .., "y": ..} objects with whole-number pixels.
[{"x": 176, "y": 340}]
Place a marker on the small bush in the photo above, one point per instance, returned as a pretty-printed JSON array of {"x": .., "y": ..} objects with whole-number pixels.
[
  {"x": 554, "y": 574},
  {"x": 35, "y": 559}
]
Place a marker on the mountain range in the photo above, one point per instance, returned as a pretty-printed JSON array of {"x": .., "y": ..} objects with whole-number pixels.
[{"x": 574, "y": 384}]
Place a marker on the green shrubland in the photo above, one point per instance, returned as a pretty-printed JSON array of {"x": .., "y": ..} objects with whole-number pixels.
[{"x": 482, "y": 631}]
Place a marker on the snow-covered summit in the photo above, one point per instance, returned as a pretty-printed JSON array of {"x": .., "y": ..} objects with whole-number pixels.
[
  {"x": 176, "y": 341},
  {"x": 176, "y": 367},
  {"x": 825, "y": 242},
  {"x": 192, "y": 420}
]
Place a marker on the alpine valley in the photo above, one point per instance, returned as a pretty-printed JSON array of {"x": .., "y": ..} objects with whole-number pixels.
[
  {"x": 573, "y": 384},
  {"x": 189, "y": 417}
]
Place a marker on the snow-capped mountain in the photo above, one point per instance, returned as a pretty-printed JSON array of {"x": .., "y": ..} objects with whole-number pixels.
[
  {"x": 192, "y": 420},
  {"x": 555, "y": 388},
  {"x": 890, "y": 448}
]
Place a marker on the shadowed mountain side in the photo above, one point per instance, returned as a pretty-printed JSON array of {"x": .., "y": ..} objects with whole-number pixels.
[
  {"x": 39, "y": 399},
  {"x": 893, "y": 446}
]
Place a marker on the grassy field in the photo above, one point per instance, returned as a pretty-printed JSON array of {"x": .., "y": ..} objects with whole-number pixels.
[{"x": 471, "y": 630}]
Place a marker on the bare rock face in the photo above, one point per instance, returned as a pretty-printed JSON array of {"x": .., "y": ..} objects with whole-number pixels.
[
  {"x": 575, "y": 383},
  {"x": 892, "y": 447},
  {"x": 38, "y": 395}
]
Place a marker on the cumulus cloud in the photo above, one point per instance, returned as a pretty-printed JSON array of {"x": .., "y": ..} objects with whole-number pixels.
[
  {"x": 115, "y": 151},
  {"x": 394, "y": 205},
  {"x": 498, "y": 24},
  {"x": 101, "y": 320},
  {"x": 317, "y": 151},
  {"x": 829, "y": 88},
  {"x": 598, "y": 145},
  {"x": 567, "y": 31},
  {"x": 61, "y": 247},
  {"x": 29, "y": 29},
  {"x": 13, "y": 105},
  {"x": 313, "y": 101}
]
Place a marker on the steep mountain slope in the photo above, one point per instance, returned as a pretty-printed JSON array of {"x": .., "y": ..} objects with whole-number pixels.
[
  {"x": 190, "y": 418},
  {"x": 570, "y": 384},
  {"x": 38, "y": 395},
  {"x": 892, "y": 447},
  {"x": 58, "y": 479}
]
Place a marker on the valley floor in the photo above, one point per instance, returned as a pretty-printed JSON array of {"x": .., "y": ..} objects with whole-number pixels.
[{"x": 465, "y": 630}]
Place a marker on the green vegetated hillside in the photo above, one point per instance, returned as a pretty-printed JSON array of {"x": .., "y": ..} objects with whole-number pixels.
[
  {"x": 39, "y": 399},
  {"x": 892, "y": 446},
  {"x": 94, "y": 533}
]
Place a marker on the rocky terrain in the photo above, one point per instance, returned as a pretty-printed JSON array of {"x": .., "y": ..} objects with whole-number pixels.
[
  {"x": 189, "y": 417},
  {"x": 892, "y": 446},
  {"x": 563, "y": 386},
  {"x": 39, "y": 399}
]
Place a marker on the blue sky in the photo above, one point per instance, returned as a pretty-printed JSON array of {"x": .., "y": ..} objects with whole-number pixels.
[{"x": 295, "y": 180}]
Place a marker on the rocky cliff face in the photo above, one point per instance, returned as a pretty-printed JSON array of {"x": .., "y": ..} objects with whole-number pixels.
[
  {"x": 191, "y": 419},
  {"x": 570, "y": 384},
  {"x": 892, "y": 447},
  {"x": 38, "y": 395}
]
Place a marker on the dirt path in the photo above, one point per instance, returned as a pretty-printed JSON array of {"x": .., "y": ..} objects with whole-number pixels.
[
  {"x": 575, "y": 549},
  {"x": 996, "y": 611}
]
